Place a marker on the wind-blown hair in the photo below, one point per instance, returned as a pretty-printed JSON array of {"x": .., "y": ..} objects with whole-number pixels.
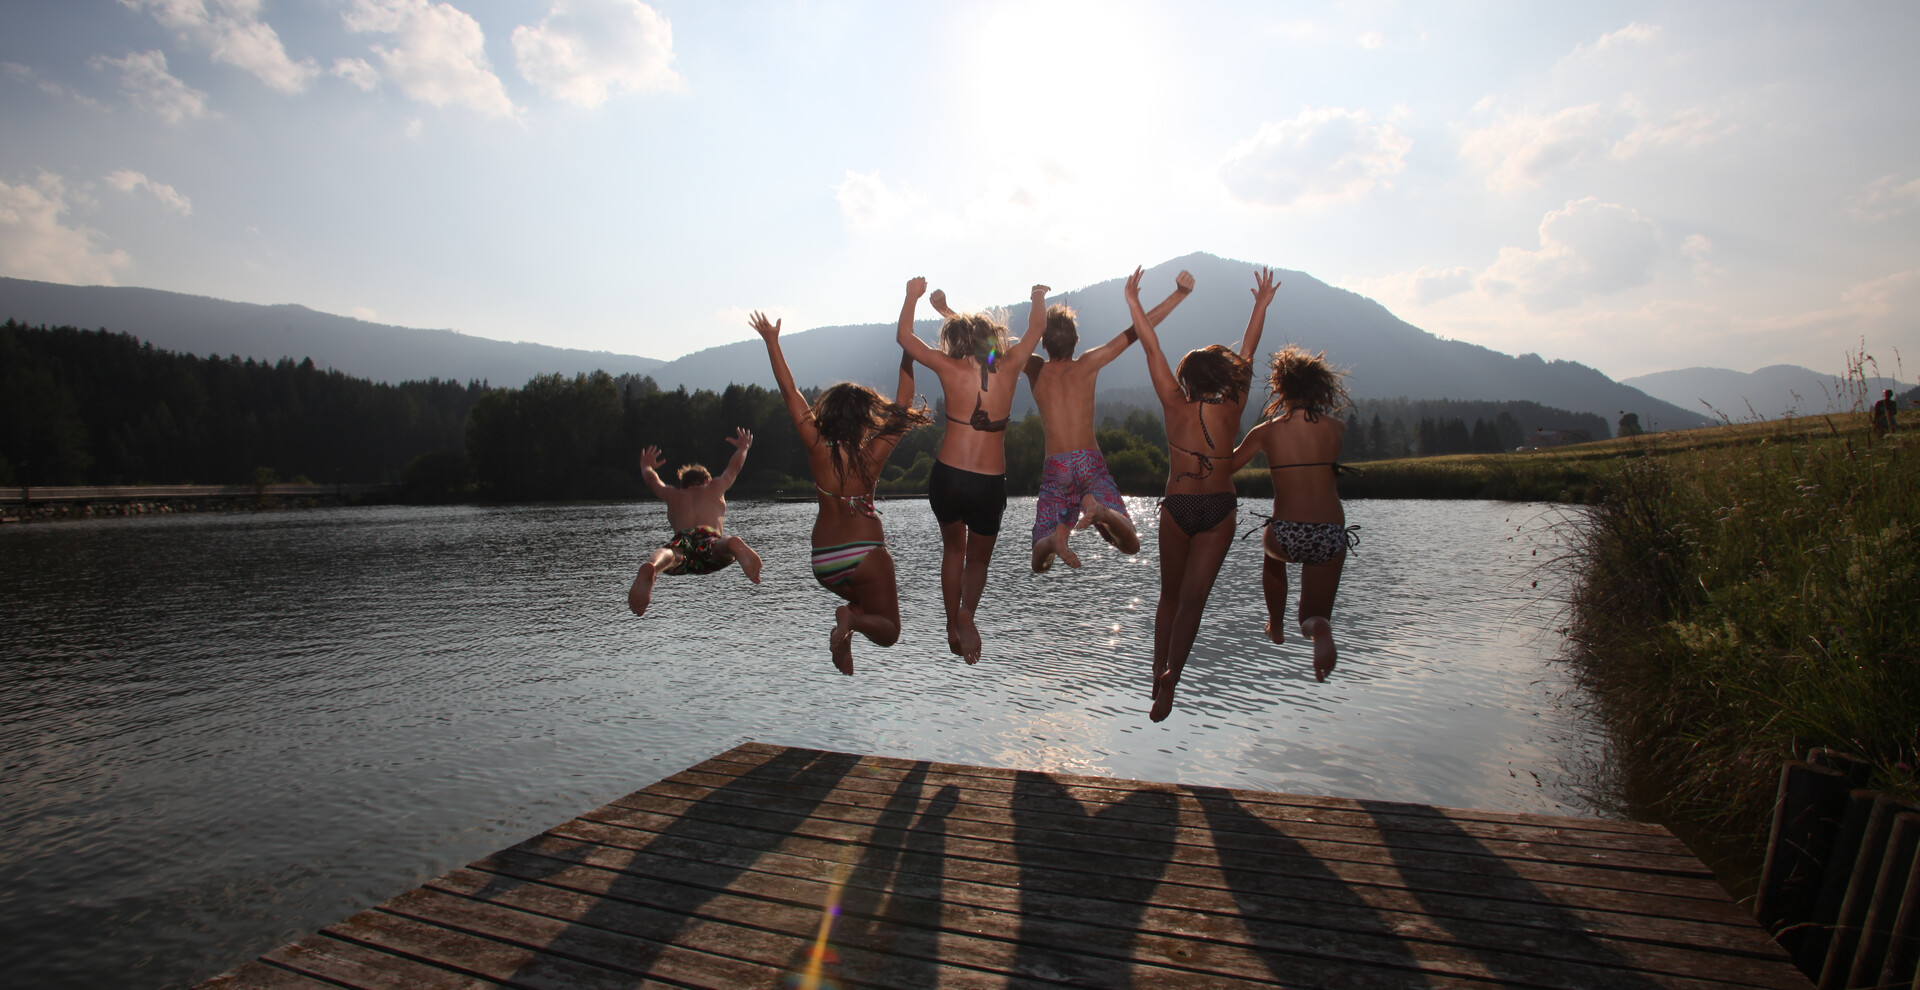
[
  {"x": 1305, "y": 382},
  {"x": 690, "y": 475},
  {"x": 1215, "y": 371},
  {"x": 1062, "y": 332},
  {"x": 849, "y": 417},
  {"x": 974, "y": 335}
]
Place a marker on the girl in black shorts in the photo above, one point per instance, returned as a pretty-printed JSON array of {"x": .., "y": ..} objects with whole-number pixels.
[{"x": 979, "y": 369}]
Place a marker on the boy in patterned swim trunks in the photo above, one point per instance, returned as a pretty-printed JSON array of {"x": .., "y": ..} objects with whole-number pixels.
[
  {"x": 697, "y": 510},
  {"x": 1076, "y": 490}
]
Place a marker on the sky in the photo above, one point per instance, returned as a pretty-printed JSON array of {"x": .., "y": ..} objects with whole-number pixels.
[{"x": 1635, "y": 186}]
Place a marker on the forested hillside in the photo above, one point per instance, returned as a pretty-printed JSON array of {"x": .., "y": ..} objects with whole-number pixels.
[{"x": 89, "y": 407}]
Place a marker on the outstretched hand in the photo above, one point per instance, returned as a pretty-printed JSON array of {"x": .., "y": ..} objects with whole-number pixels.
[
  {"x": 1133, "y": 284},
  {"x": 1040, "y": 291},
  {"x": 1264, "y": 286},
  {"x": 767, "y": 329},
  {"x": 1183, "y": 282},
  {"x": 939, "y": 299},
  {"x": 916, "y": 286},
  {"x": 650, "y": 458},
  {"x": 741, "y": 438}
]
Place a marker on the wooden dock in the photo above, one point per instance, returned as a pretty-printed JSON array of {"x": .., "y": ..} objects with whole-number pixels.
[{"x": 769, "y": 866}]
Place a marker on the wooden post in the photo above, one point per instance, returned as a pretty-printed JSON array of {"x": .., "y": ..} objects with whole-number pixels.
[
  {"x": 1859, "y": 896},
  {"x": 1888, "y": 891},
  {"x": 1806, "y": 816},
  {"x": 1858, "y": 771},
  {"x": 1811, "y": 954},
  {"x": 1903, "y": 941}
]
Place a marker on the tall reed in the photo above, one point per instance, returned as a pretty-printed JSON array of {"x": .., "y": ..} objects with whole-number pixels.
[{"x": 1739, "y": 602}]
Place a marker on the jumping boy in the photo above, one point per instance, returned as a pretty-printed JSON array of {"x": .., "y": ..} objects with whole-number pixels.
[
  {"x": 1076, "y": 490},
  {"x": 697, "y": 510}
]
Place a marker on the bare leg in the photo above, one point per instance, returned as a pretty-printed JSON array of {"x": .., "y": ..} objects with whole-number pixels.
[
  {"x": 1113, "y": 527},
  {"x": 1318, "y": 585},
  {"x": 840, "y": 641},
  {"x": 749, "y": 560},
  {"x": 875, "y": 599},
  {"x": 953, "y": 561},
  {"x": 1060, "y": 535},
  {"x": 1273, "y": 582},
  {"x": 1043, "y": 555},
  {"x": 973, "y": 582},
  {"x": 1205, "y": 552},
  {"x": 1173, "y": 569},
  {"x": 641, "y": 593}
]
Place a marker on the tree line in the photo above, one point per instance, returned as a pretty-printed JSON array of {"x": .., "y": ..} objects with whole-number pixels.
[
  {"x": 90, "y": 407},
  {"x": 94, "y": 407}
]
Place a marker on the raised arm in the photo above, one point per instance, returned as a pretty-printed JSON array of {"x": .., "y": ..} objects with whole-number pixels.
[
  {"x": 913, "y": 345},
  {"x": 1100, "y": 356},
  {"x": 1254, "y": 443},
  {"x": 769, "y": 331},
  {"x": 741, "y": 440},
  {"x": 1036, "y": 325},
  {"x": 903, "y": 396},
  {"x": 1164, "y": 383},
  {"x": 1264, "y": 286},
  {"x": 650, "y": 461}
]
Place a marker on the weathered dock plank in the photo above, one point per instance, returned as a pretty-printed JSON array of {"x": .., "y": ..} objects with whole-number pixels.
[{"x": 770, "y": 866}]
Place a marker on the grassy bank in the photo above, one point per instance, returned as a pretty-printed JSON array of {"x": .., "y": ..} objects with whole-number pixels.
[{"x": 1743, "y": 595}]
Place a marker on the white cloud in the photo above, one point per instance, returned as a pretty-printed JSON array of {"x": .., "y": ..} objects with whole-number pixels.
[
  {"x": 587, "y": 50},
  {"x": 1521, "y": 148},
  {"x": 362, "y": 313},
  {"x": 1687, "y": 129},
  {"x": 439, "y": 57},
  {"x": 357, "y": 71},
  {"x": 1884, "y": 197},
  {"x": 414, "y": 127},
  {"x": 233, "y": 33},
  {"x": 1371, "y": 40},
  {"x": 25, "y": 74},
  {"x": 868, "y": 204},
  {"x": 150, "y": 87},
  {"x": 1320, "y": 156},
  {"x": 1635, "y": 34},
  {"x": 128, "y": 181},
  {"x": 1587, "y": 248},
  {"x": 1434, "y": 284},
  {"x": 36, "y": 243},
  {"x": 1698, "y": 249}
]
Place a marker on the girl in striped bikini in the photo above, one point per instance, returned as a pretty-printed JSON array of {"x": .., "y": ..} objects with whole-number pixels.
[{"x": 848, "y": 433}]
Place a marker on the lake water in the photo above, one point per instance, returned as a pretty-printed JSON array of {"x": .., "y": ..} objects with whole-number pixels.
[{"x": 221, "y": 732}]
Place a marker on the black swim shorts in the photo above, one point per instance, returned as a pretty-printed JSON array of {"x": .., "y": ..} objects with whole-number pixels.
[{"x": 977, "y": 499}]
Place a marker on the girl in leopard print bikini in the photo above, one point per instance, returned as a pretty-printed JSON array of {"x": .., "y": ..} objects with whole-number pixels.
[{"x": 1308, "y": 526}]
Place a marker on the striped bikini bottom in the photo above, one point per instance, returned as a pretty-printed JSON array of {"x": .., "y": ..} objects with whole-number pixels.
[{"x": 835, "y": 565}]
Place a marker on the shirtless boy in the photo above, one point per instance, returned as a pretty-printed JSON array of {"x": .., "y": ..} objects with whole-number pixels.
[
  {"x": 1076, "y": 490},
  {"x": 697, "y": 510}
]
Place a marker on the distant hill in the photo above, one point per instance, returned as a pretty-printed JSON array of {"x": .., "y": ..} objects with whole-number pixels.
[
  {"x": 1389, "y": 357},
  {"x": 1769, "y": 393},
  {"x": 378, "y": 352}
]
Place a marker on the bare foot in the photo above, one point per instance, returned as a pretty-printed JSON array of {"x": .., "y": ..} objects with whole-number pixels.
[
  {"x": 1162, "y": 698},
  {"x": 1113, "y": 528},
  {"x": 749, "y": 559},
  {"x": 969, "y": 639},
  {"x": 1043, "y": 555},
  {"x": 840, "y": 641},
  {"x": 1324, "y": 654},
  {"x": 642, "y": 591},
  {"x": 955, "y": 645},
  {"x": 1275, "y": 633}
]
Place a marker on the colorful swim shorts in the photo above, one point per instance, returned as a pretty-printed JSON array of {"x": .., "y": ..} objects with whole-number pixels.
[
  {"x": 699, "y": 550},
  {"x": 1064, "y": 480}
]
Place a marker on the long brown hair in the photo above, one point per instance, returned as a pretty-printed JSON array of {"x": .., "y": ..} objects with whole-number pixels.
[
  {"x": 1305, "y": 382},
  {"x": 1215, "y": 371},
  {"x": 849, "y": 417},
  {"x": 973, "y": 335}
]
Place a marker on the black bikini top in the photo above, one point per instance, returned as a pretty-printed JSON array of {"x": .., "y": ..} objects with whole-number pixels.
[
  {"x": 980, "y": 420},
  {"x": 1206, "y": 460}
]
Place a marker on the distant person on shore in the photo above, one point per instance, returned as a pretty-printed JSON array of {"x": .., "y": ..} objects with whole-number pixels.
[
  {"x": 1202, "y": 403},
  {"x": 1308, "y": 526},
  {"x": 1076, "y": 490},
  {"x": 697, "y": 510},
  {"x": 849, "y": 432},
  {"x": 979, "y": 369},
  {"x": 1885, "y": 412}
]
